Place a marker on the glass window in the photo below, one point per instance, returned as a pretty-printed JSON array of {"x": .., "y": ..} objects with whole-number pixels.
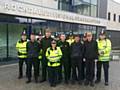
[
  {"x": 114, "y": 17},
  {"x": 109, "y": 16},
  {"x": 94, "y": 2},
  {"x": 87, "y": 1},
  {"x": 3, "y": 41},
  {"x": 14, "y": 31},
  {"x": 119, "y": 18},
  {"x": 93, "y": 10},
  {"x": 84, "y": 9}
]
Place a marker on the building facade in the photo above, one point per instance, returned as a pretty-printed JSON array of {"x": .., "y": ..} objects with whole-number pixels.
[{"x": 68, "y": 16}]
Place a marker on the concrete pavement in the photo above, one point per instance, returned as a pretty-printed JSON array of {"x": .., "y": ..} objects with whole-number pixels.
[{"x": 9, "y": 81}]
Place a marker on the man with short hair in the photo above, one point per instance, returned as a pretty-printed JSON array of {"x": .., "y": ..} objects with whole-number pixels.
[
  {"x": 33, "y": 49},
  {"x": 90, "y": 54},
  {"x": 45, "y": 43}
]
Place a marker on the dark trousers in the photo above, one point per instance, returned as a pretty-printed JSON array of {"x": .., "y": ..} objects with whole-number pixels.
[
  {"x": 21, "y": 62},
  {"x": 39, "y": 60},
  {"x": 44, "y": 68},
  {"x": 53, "y": 75},
  {"x": 83, "y": 70},
  {"x": 105, "y": 68},
  {"x": 90, "y": 69},
  {"x": 33, "y": 62},
  {"x": 67, "y": 68},
  {"x": 76, "y": 67}
]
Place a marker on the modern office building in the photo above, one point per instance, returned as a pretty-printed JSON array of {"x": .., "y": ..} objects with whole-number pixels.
[{"x": 68, "y": 16}]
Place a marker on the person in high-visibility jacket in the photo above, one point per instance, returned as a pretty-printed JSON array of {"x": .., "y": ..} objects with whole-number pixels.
[
  {"x": 104, "y": 47},
  {"x": 53, "y": 54},
  {"x": 22, "y": 54},
  {"x": 70, "y": 40}
]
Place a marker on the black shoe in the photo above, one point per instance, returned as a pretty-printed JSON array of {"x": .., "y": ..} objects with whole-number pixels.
[
  {"x": 80, "y": 82},
  {"x": 36, "y": 80},
  {"x": 106, "y": 83},
  {"x": 43, "y": 80},
  {"x": 73, "y": 82},
  {"x": 66, "y": 82},
  {"x": 91, "y": 84},
  {"x": 20, "y": 77},
  {"x": 86, "y": 83},
  {"x": 53, "y": 85},
  {"x": 97, "y": 81},
  {"x": 29, "y": 81}
]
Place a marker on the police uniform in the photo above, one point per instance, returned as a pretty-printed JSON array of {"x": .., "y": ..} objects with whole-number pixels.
[
  {"x": 53, "y": 64},
  {"x": 22, "y": 55},
  {"x": 104, "y": 47}
]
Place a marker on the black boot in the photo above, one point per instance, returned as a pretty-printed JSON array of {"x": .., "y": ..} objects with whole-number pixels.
[
  {"x": 29, "y": 81},
  {"x": 97, "y": 81},
  {"x": 20, "y": 77},
  {"x": 92, "y": 84},
  {"x": 106, "y": 83},
  {"x": 86, "y": 83}
]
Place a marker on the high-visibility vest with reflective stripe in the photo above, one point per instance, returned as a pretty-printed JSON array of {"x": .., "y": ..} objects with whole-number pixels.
[
  {"x": 40, "y": 54},
  {"x": 104, "y": 46},
  {"x": 54, "y": 57},
  {"x": 21, "y": 48}
]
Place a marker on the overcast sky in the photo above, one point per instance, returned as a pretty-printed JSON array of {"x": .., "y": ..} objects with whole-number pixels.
[{"x": 117, "y": 1}]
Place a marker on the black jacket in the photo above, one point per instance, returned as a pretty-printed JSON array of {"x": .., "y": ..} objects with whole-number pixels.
[
  {"x": 33, "y": 49},
  {"x": 91, "y": 50},
  {"x": 76, "y": 50},
  {"x": 65, "y": 48},
  {"x": 45, "y": 43}
]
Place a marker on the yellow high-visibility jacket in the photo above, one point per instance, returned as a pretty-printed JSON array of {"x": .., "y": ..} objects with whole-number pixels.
[
  {"x": 21, "y": 48},
  {"x": 104, "y": 47},
  {"x": 54, "y": 57}
]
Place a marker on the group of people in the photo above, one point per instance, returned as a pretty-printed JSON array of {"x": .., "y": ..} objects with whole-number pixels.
[{"x": 72, "y": 60}]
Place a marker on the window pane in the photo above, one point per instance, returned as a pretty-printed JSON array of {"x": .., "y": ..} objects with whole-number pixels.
[
  {"x": 14, "y": 31},
  {"x": 3, "y": 44},
  {"x": 94, "y": 2},
  {"x": 93, "y": 10},
  {"x": 87, "y": 1}
]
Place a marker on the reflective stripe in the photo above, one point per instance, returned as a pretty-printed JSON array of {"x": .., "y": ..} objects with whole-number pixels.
[
  {"x": 22, "y": 56},
  {"x": 54, "y": 64}
]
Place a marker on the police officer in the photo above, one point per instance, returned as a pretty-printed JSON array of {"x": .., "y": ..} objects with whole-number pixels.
[
  {"x": 22, "y": 54},
  {"x": 45, "y": 43},
  {"x": 53, "y": 55},
  {"x": 90, "y": 54},
  {"x": 33, "y": 49},
  {"x": 65, "y": 60},
  {"x": 76, "y": 59},
  {"x": 104, "y": 47}
]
